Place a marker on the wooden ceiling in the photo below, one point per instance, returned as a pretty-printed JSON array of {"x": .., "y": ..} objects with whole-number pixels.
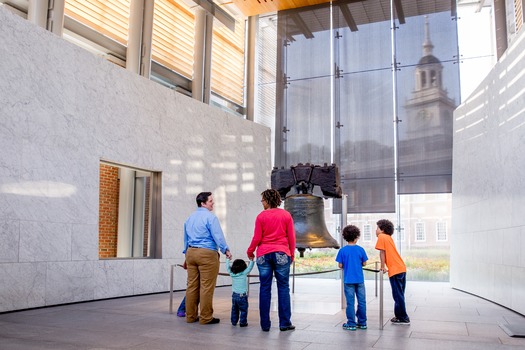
[
  {"x": 257, "y": 7},
  {"x": 404, "y": 8}
]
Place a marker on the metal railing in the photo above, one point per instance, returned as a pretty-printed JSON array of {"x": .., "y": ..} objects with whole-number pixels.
[{"x": 378, "y": 276}]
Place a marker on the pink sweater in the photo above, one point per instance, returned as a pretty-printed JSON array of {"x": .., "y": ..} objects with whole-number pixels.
[{"x": 274, "y": 232}]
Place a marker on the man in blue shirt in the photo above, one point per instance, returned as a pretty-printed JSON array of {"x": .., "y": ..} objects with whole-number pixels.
[{"x": 202, "y": 238}]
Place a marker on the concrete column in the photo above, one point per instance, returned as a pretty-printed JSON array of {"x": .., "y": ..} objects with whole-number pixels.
[
  {"x": 207, "y": 59},
  {"x": 253, "y": 25},
  {"x": 55, "y": 17},
  {"x": 280, "y": 100},
  {"x": 197, "y": 86},
  {"x": 500, "y": 23},
  {"x": 37, "y": 12},
  {"x": 134, "y": 49},
  {"x": 147, "y": 38}
]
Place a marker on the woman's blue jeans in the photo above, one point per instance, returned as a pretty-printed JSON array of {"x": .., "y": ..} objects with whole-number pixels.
[
  {"x": 278, "y": 264},
  {"x": 351, "y": 291}
]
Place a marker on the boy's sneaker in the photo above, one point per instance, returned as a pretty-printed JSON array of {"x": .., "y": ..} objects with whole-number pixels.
[
  {"x": 347, "y": 327},
  {"x": 398, "y": 321},
  {"x": 359, "y": 326}
]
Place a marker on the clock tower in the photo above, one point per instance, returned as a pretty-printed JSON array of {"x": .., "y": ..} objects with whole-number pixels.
[
  {"x": 425, "y": 144},
  {"x": 429, "y": 109}
]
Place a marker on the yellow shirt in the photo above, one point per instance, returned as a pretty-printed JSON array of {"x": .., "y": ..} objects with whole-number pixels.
[{"x": 393, "y": 260}]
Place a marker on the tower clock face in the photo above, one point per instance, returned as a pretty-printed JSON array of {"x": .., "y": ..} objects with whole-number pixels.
[{"x": 424, "y": 115}]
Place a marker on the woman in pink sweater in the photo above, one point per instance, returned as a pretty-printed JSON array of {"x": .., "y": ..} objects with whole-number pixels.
[{"x": 274, "y": 242}]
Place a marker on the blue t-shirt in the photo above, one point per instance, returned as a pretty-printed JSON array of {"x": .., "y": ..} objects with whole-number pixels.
[{"x": 352, "y": 257}]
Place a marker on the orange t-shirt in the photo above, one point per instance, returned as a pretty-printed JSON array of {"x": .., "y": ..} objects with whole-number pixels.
[{"x": 393, "y": 260}]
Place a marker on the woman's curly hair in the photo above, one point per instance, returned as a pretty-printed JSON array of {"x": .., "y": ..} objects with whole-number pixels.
[{"x": 272, "y": 197}]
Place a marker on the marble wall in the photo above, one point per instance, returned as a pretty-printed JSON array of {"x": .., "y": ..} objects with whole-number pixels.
[
  {"x": 488, "y": 196},
  {"x": 62, "y": 110}
]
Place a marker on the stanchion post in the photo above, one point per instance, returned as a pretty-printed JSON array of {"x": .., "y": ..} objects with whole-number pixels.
[
  {"x": 343, "y": 223},
  {"x": 376, "y": 263},
  {"x": 293, "y": 276},
  {"x": 171, "y": 288},
  {"x": 381, "y": 300}
]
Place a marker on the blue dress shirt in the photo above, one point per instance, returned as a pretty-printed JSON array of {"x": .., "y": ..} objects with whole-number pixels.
[{"x": 202, "y": 230}]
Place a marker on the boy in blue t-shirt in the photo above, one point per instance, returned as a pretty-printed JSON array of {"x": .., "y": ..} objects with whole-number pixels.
[
  {"x": 351, "y": 259},
  {"x": 239, "y": 274}
]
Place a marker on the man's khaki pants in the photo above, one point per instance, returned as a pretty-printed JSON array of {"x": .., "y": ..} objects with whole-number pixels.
[{"x": 203, "y": 268}]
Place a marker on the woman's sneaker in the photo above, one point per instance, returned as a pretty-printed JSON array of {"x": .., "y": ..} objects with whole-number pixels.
[
  {"x": 398, "y": 321},
  {"x": 347, "y": 327}
]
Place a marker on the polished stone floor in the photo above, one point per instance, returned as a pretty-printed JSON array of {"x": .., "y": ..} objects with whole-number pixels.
[{"x": 442, "y": 318}]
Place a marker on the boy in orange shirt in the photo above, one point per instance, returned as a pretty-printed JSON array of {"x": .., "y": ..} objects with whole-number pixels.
[{"x": 396, "y": 269}]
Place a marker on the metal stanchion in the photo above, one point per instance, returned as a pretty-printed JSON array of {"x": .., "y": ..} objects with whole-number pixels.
[
  {"x": 377, "y": 269},
  {"x": 171, "y": 288},
  {"x": 381, "y": 300},
  {"x": 343, "y": 223},
  {"x": 293, "y": 276}
]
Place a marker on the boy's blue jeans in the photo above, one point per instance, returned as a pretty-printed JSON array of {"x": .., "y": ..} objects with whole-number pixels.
[
  {"x": 239, "y": 308},
  {"x": 351, "y": 291},
  {"x": 278, "y": 264},
  {"x": 398, "y": 283}
]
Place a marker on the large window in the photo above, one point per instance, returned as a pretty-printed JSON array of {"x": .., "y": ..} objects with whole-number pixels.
[
  {"x": 129, "y": 212},
  {"x": 367, "y": 232},
  {"x": 420, "y": 232},
  {"x": 441, "y": 231},
  {"x": 227, "y": 61},
  {"x": 173, "y": 36},
  {"x": 109, "y": 17}
]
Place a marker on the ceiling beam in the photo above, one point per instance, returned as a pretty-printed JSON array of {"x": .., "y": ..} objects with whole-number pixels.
[
  {"x": 303, "y": 27},
  {"x": 347, "y": 15},
  {"x": 218, "y": 13},
  {"x": 399, "y": 11},
  {"x": 453, "y": 9}
]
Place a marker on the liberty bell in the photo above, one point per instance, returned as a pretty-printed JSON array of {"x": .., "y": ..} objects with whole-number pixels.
[{"x": 307, "y": 210}]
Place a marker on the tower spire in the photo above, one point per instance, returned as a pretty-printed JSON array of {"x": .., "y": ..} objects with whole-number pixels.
[{"x": 427, "y": 44}]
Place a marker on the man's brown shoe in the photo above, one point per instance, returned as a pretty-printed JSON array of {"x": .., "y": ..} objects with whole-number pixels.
[{"x": 213, "y": 321}]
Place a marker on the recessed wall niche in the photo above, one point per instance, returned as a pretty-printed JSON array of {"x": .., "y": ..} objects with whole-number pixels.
[{"x": 129, "y": 212}]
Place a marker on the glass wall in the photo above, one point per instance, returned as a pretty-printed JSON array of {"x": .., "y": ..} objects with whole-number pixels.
[
  {"x": 348, "y": 79},
  {"x": 357, "y": 89}
]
